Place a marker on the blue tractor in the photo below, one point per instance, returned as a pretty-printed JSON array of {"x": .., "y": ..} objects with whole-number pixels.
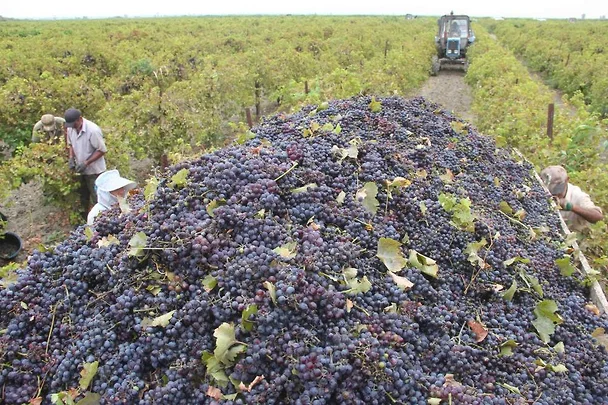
[{"x": 452, "y": 41}]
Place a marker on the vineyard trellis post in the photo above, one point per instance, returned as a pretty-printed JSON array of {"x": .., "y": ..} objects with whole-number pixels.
[{"x": 550, "y": 113}]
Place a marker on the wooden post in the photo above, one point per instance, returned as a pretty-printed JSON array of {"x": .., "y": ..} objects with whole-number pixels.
[
  {"x": 550, "y": 113},
  {"x": 306, "y": 87},
  {"x": 258, "y": 107},
  {"x": 249, "y": 120}
]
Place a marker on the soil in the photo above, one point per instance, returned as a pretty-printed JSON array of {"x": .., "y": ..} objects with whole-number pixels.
[{"x": 38, "y": 223}]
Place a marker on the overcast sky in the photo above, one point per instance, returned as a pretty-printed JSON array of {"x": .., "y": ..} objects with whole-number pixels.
[{"x": 38, "y": 9}]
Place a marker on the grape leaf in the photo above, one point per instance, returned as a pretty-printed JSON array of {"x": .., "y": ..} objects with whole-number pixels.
[
  {"x": 271, "y": 290},
  {"x": 162, "y": 320},
  {"x": 425, "y": 264},
  {"x": 600, "y": 335},
  {"x": 505, "y": 208},
  {"x": 508, "y": 295},
  {"x": 402, "y": 282},
  {"x": 559, "y": 348},
  {"x": 511, "y": 388},
  {"x": 304, "y": 189},
  {"x": 226, "y": 345},
  {"x": 108, "y": 241},
  {"x": 545, "y": 328},
  {"x": 337, "y": 129},
  {"x": 355, "y": 285},
  {"x": 423, "y": 208},
  {"x": 367, "y": 197},
  {"x": 547, "y": 309},
  {"x": 215, "y": 369},
  {"x": 247, "y": 312},
  {"x": 213, "y": 205},
  {"x": 214, "y": 393},
  {"x": 506, "y": 349},
  {"x": 88, "y": 232},
  {"x": 389, "y": 252},
  {"x": 138, "y": 244},
  {"x": 478, "y": 329},
  {"x": 516, "y": 259},
  {"x": 448, "y": 177},
  {"x": 150, "y": 189},
  {"x": 375, "y": 106},
  {"x": 434, "y": 401},
  {"x": 87, "y": 374},
  {"x": 209, "y": 282},
  {"x": 179, "y": 179},
  {"x": 565, "y": 267},
  {"x": 340, "y": 198},
  {"x": 560, "y": 368},
  {"x": 287, "y": 251},
  {"x": 472, "y": 249}
]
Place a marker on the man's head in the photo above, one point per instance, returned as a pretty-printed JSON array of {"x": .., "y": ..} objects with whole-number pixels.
[
  {"x": 73, "y": 118},
  {"x": 48, "y": 122},
  {"x": 556, "y": 180}
]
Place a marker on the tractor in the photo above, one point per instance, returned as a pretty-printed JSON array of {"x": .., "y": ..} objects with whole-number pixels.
[{"x": 453, "y": 38}]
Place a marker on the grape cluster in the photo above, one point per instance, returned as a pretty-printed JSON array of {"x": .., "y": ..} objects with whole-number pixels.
[{"x": 277, "y": 239}]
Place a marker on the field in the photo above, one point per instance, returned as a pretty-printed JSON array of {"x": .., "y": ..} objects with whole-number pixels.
[{"x": 354, "y": 233}]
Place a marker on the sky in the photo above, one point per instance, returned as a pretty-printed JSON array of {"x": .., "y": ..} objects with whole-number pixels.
[{"x": 38, "y": 9}]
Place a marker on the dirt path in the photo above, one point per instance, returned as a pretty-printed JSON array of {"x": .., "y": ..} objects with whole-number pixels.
[{"x": 449, "y": 90}]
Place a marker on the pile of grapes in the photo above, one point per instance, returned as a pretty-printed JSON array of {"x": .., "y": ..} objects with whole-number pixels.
[{"x": 357, "y": 252}]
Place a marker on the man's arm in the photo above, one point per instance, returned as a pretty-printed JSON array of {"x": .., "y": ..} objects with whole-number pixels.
[
  {"x": 592, "y": 215},
  {"x": 35, "y": 135},
  {"x": 96, "y": 155}
]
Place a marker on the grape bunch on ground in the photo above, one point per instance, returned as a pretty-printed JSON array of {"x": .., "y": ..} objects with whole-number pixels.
[{"x": 363, "y": 251}]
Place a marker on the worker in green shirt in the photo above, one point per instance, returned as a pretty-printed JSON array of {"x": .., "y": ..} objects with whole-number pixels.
[{"x": 49, "y": 129}]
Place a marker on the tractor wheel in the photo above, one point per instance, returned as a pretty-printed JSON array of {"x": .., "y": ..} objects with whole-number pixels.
[{"x": 435, "y": 66}]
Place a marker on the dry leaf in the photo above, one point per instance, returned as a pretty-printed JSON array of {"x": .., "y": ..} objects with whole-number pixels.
[
  {"x": 249, "y": 387},
  {"x": 214, "y": 393},
  {"x": 479, "y": 330},
  {"x": 593, "y": 309},
  {"x": 349, "y": 305}
]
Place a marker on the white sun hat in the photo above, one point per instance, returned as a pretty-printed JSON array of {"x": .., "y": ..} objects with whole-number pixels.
[{"x": 111, "y": 180}]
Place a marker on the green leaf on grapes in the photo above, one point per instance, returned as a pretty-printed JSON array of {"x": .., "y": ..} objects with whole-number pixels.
[
  {"x": 398, "y": 182},
  {"x": 150, "y": 189},
  {"x": 247, "y": 312},
  {"x": 304, "y": 189},
  {"x": 516, "y": 259},
  {"x": 570, "y": 239},
  {"x": 508, "y": 295},
  {"x": 226, "y": 345},
  {"x": 402, "y": 282},
  {"x": 532, "y": 282},
  {"x": 560, "y": 368},
  {"x": 389, "y": 252},
  {"x": 271, "y": 290},
  {"x": 472, "y": 251},
  {"x": 154, "y": 289},
  {"x": 90, "y": 398},
  {"x": 351, "y": 152},
  {"x": 340, "y": 198},
  {"x": 162, "y": 320},
  {"x": 434, "y": 401},
  {"x": 88, "y": 232},
  {"x": 546, "y": 318},
  {"x": 367, "y": 197},
  {"x": 600, "y": 335},
  {"x": 209, "y": 282},
  {"x": 179, "y": 179},
  {"x": 511, "y": 388},
  {"x": 137, "y": 244},
  {"x": 462, "y": 217},
  {"x": 287, "y": 251},
  {"x": 425, "y": 264},
  {"x": 375, "y": 106},
  {"x": 559, "y": 348},
  {"x": 215, "y": 369},
  {"x": 23, "y": 305},
  {"x": 108, "y": 241},
  {"x": 506, "y": 349},
  {"x": 323, "y": 106},
  {"x": 422, "y": 208},
  {"x": 337, "y": 129},
  {"x": 460, "y": 127},
  {"x": 261, "y": 214},
  {"x": 244, "y": 137},
  {"x": 213, "y": 205},
  {"x": 391, "y": 309},
  {"x": 505, "y": 208},
  {"x": 87, "y": 374},
  {"x": 448, "y": 177},
  {"x": 356, "y": 286},
  {"x": 328, "y": 126},
  {"x": 565, "y": 267}
]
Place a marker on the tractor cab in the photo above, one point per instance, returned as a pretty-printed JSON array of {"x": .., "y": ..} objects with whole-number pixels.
[{"x": 454, "y": 36}]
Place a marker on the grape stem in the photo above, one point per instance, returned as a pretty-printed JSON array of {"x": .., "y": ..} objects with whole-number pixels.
[
  {"x": 54, "y": 308},
  {"x": 287, "y": 171}
]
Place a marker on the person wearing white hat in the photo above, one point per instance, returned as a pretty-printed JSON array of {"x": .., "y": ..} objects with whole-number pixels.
[
  {"x": 576, "y": 206},
  {"x": 49, "y": 128},
  {"x": 111, "y": 190}
]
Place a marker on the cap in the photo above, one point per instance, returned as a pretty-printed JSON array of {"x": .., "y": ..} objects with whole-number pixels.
[
  {"x": 111, "y": 180},
  {"x": 71, "y": 115},
  {"x": 48, "y": 122},
  {"x": 555, "y": 178}
]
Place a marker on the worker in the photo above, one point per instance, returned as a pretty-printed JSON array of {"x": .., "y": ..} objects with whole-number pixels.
[
  {"x": 576, "y": 207},
  {"x": 86, "y": 154},
  {"x": 49, "y": 129},
  {"x": 112, "y": 189}
]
